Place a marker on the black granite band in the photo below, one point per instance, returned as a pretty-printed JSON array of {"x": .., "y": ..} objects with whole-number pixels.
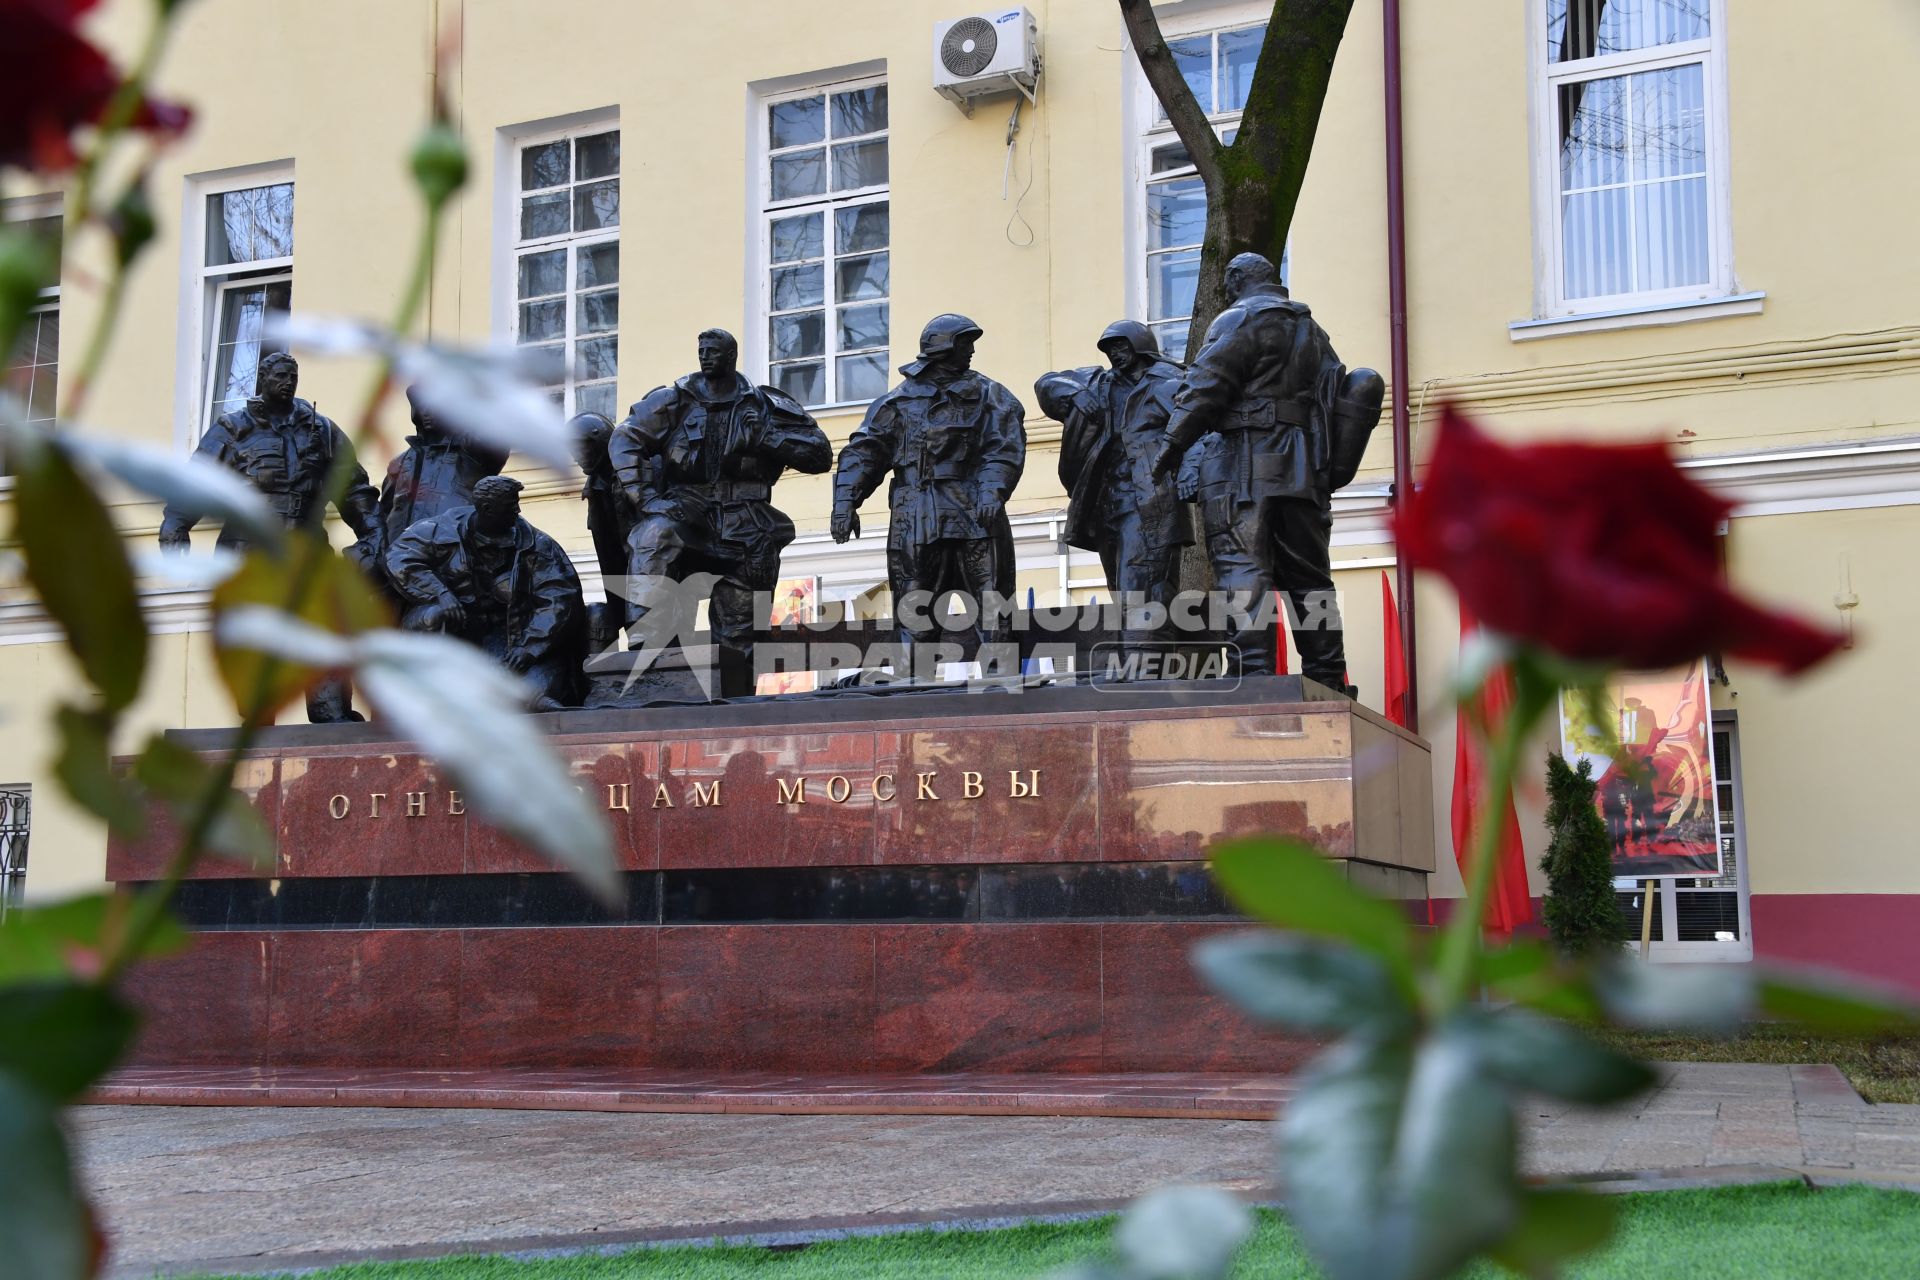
[{"x": 786, "y": 895}]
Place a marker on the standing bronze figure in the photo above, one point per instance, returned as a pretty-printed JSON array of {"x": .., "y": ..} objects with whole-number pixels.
[
  {"x": 1114, "y": 421},
  {"x": 287, "y": 451},
  {"x": 435, "y": 473},
  {"x": 720, "y": 443},
  {"x": 485, "y": 575},
  {"x": 954, "y": 442},
  {"x": 1292, "y": 425},
  {"x": 609, "y": 521}
]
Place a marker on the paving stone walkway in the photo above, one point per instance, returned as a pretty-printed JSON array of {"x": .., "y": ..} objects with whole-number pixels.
[{"x": 258, "y": 1188}]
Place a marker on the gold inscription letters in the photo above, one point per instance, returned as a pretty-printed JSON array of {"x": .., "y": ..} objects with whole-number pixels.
[{"x": 839, "y": 788}]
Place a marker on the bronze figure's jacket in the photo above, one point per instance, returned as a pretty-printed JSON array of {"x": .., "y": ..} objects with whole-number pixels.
[
  {"x": 434, "y": 562},
  {"x": 719, "y": 461},
  {"x": 948, "y": 446},
  {"x": 1265, "y": 380},
  {"x": 288, "y": 465},
  {"x": 1111, "y": 432},
  {"x": 436, "y": 472}
]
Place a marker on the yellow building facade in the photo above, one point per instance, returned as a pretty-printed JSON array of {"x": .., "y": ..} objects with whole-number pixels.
[{"x": 1643, "y": 218}]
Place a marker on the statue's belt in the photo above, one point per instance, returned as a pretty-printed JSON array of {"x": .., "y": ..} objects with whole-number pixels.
[
  {"x": 732, "y": 490},
  {"x": 1253, "y": 415}
]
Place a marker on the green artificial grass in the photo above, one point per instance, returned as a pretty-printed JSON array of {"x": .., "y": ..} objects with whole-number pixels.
[
  {"x": 1883, "y": 1068},
  {"x": 1749, "y": 1233}
]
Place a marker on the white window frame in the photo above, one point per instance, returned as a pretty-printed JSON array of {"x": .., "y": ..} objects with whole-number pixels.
[
  {"x": 756, "y": 347},
  {"x": 1145, "y": 130},
  {"x": 31, "y": 209},
  {"x": 201, "y": 287},
  {"x": 1546, "y": 78},
  {"x": 511, "y": 248}
]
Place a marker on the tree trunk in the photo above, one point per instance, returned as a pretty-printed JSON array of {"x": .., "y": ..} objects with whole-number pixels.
[{"x": 1253, "y": 185}]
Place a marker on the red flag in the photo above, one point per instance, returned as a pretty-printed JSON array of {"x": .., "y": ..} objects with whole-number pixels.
[
  {"x": 1279, "y": 635},
  {"x": 1396, "y": 651},
  {"x": 1509, "y": 905}
]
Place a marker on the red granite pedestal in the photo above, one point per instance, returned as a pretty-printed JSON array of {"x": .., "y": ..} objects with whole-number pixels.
[{"x": 876, "y": 888}]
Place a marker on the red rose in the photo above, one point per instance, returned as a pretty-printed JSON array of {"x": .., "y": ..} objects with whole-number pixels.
[
  {"x": 52, "y": 82},
  {"x": 1599, "y": 553}
]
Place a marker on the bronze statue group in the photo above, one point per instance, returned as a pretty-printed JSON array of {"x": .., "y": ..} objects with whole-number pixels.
[{"x": 1258, "y": 431}]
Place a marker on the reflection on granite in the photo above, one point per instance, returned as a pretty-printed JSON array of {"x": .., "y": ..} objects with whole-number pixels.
[{"x": 1031, "y": 892}]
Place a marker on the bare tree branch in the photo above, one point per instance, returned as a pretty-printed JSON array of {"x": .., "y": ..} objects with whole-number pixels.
[{"x": 1188, "y": 117}]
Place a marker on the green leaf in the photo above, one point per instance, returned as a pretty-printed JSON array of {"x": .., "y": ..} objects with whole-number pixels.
[
  {"x": 1531, "y": 1052},
  {"x": 183, "y": 780},
  {"x": 1830, "y": 1004},
  {"x": 1176, "y": 1233},
  {"x": 467, "y": 713},
  {"x": 59, "y": 1037},
  {"x": 1528, "y": 972},
  {"x": 1303, "y": 982},
  {"x": 190, "y": 483},
  {"x": 1292, "y": 885},
  {"x": 66, "y": 939},
  {"x": 46, "y": 1227},
  {"x": 338, "y": 599},
  {"x": 28, "y": 263},
  {"x": 78, "y": 566},
  {"x": 1555, "y": 1226},
  {"x": 1400, "y": 1158},
  {"x": 84, "y": 766}
]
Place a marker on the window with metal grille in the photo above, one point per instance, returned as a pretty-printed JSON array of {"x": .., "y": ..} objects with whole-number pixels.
[{"x": 16, "y": 823}]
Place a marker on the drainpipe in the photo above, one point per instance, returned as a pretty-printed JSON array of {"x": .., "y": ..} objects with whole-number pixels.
[{"x": 1397, "y": 341}]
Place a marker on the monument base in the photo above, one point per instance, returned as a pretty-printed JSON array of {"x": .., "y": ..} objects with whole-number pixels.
[{"x": 840, "y": 884}]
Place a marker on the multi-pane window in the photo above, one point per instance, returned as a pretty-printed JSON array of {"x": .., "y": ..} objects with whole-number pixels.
[
  {"x": 246, "y": 268},
  {"x": 567, "y": 264},
  {"x": 16, "y": 825},
  {"x": 827, "y": 227},
  {"x": 1218, "y": 67},
  {"x": 1630, "y": 86},
  {"x": 33, "y": 366}
]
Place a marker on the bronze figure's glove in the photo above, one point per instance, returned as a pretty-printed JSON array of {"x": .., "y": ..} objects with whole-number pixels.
[{"x": 846, "y": 522}]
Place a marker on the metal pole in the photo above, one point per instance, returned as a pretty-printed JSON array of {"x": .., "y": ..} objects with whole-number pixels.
[{"x": 1397, "y": 335}]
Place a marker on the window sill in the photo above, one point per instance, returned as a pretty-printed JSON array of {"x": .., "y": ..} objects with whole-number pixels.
[{"x": 1738, "y": 304}]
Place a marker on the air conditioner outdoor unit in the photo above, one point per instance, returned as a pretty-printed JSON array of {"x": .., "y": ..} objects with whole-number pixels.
[{"x": 993, "y": 52}]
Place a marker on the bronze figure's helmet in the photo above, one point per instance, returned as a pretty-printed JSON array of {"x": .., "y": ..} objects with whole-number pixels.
[
  {"x": 942, "y": 331},
  {"x": 1135, "y": 334}
]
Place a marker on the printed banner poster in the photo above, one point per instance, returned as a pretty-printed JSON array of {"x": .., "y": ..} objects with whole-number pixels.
[
  {"x": 794, "y": 599},
  {"x": 1657, "y": 797}
]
